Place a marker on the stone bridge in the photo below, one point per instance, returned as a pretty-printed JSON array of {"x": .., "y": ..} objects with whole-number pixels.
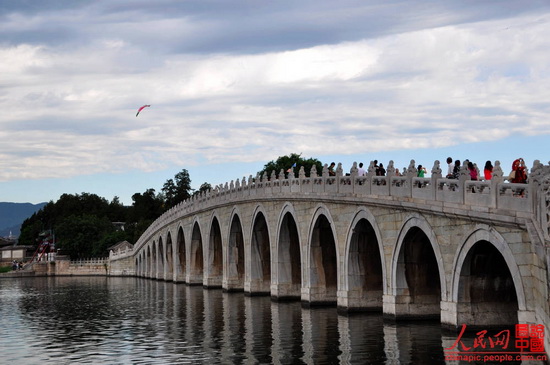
[{"x": 473, "y": 252}]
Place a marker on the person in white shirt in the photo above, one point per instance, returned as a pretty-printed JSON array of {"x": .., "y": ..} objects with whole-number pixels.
[
  {"x": 451, "y": 167},
  {"x": 361, "y": 170}
]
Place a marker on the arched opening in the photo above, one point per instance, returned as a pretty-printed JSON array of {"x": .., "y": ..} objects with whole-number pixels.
[
  {"x": 365, "y": 276},
  {"x": 260, "y": 264},
  {"x": 196, "y": 269},
  {"x": 182, "y": 256},
  {"x": 169, "y": 257},
  {"x": 418, "y": 285},
  {"x": 149, "y": 264},
  {"x": 486, "y": 292},
  {"x": 154, "y": 261},
  {"x": 323, "y": 264},
  {"x": 161, "y": 260},
  {"x": 215, "y": 256},
  {"x": 289, "y": 267},
  {"x": 235, "y": 272}
]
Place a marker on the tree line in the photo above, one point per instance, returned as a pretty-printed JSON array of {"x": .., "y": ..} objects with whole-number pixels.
[{"x": 86, "y": 225}]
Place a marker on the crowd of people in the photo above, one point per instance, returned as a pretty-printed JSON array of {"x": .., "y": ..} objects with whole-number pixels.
[
  {"x": 15, "y": 265},
  {"x": 517, "y": 175}
]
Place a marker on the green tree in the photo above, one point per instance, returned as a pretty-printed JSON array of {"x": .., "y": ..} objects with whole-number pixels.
[
  {"x": 108, "y": 239},
  {"x": 178, "y": 189},
  {"x": 287, "y": 162},
  {"x": 146, "y": 206},
  {"x": 170, "y": 191},
  {"x": 78, "y": 235},
  {"x": 203, "y": 188}
]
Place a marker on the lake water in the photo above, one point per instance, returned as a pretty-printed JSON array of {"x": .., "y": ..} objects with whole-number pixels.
[{"x": 99, "y": 320}]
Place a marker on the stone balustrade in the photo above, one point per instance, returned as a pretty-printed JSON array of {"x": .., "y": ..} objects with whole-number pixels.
[
  {"x": 120, "y": 254},
  {"x": 495, "y": 195},
  {"x": 90, "y": 261}
]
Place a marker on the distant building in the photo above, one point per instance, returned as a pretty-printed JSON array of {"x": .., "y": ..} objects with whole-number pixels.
[
  {"x": 9, "y": 250},
  {"x": 121, "y": 248}
]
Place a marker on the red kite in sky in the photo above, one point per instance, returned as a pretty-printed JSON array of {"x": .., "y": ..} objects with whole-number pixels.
[{"x": 140, "y": 109}]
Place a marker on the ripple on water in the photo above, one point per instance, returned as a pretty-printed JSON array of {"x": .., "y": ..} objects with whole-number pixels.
[{"x": 91, "y": 320}]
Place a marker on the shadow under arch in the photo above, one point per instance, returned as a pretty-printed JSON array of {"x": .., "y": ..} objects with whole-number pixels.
[
  {"x": 364, "y": 266},
  {"x": 487, "y": 286},
  {"x": 215, "y": 256},
  {"x": 196, "y": 262},
  {"x": 169, "y": 257},
  {"x": 154, "y": 261},
  {"x": 323, "y": 260},
  {"x": 260, "y": 256},
  {"x": 288, "y": 257},
  {"x": 181, "y": 256},
  {"x": 418, "y": 277},
  {"x": 235, "y": 272},
  {"x": 161, "y": 260},
  {"x": 148, "y": 263}
]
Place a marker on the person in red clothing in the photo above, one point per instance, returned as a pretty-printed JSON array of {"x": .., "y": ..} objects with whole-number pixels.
[
  {"x": 472, "y": 170},
  {"x": 488, "y": 170},
  {"x": 518, "y": 174}
]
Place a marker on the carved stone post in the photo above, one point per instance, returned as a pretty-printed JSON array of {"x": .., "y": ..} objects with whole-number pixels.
[
  {"x": 412, "y": 172},
  {"x": 496, "y": 179},
  {"x": 436, "y": 174}
]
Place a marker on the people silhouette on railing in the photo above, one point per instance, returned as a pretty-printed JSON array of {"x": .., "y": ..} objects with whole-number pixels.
[
  {"x": 456, "y": 170},
  {"x": 450, "y": 168},
  {"x": 519, "y": 173},
  {"x": 421, "y": 171},
  {"x": 360, "y": 170},
  {"x": 381, "y": 170},
  {"x": 488, "y": 170},
  {"x": 472, "y": 170},
  {"x": 331, "y": 171}
]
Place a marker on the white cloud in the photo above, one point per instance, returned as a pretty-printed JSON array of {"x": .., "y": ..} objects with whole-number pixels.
[{"x": 70, "y": 108}]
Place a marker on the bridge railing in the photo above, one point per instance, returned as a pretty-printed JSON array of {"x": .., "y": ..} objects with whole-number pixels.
[
  {"x": 90, "y": 261},
  {"x": 531, "y": 198}
]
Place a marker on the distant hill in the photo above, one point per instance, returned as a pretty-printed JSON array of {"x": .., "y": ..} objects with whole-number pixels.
[{"x": 12, "y": 216}]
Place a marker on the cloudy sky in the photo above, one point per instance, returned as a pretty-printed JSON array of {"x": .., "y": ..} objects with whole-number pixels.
[{"x": 235, "y": 84}]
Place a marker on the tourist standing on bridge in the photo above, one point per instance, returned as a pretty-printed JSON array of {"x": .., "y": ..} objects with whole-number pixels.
[
  {"x": 488, "y": 170},
  {"x": 381, "y": 170},
  {"x": 450, "y": 168},
  {"x": 456, "y": 170},
  {"x": 361, "y": 170},
  {"x": 472, "y": 170},
  {"x": 331, "y": 171},
  {"x": 421, "y": 171},
  {"x": 518, "y": 174}
]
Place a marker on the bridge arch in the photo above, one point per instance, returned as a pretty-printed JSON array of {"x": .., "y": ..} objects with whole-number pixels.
[
  {"x": 180, "y": 256},
  {"x": 160, "y": 259},
  {"x": 416, "y": 260},
  {"x": 288, "y": 256},
  {"x": 488, "y": 248},
  {"x": 322, "y": 259},
  {"x": 196, "y": 258},
  {"x": 169, "y": 257},
  {"x": 364, "y": 265},
  {"x": 259, "y": 273},
  {"x": 235, "y": 268},
  {"x": 154, "y": 259},
  {"x": 148, "y": 262},
  {"x": 214, "y": 267}
]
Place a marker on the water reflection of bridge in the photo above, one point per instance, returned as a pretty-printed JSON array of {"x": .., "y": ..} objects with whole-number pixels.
[{"x": 463, "y": 251}]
